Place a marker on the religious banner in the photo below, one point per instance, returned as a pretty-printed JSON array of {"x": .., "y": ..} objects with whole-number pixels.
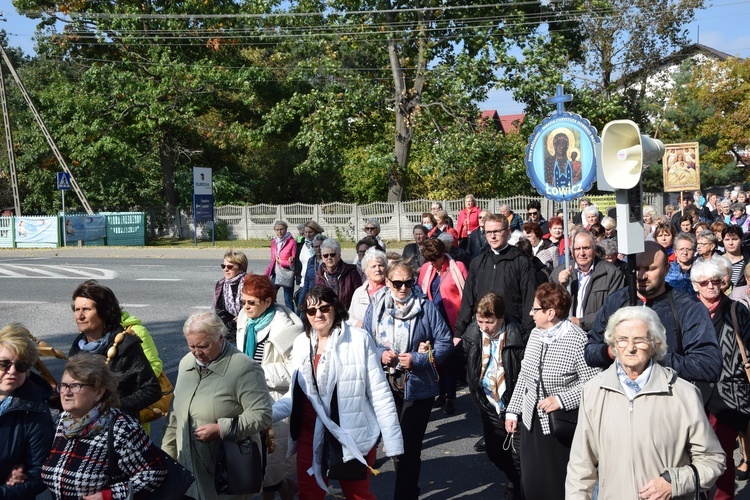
[
  {"x": 681, "y": 167},
  {"x": 560, "y": 156}
]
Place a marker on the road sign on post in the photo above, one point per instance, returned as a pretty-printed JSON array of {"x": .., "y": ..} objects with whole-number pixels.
[
  {"x": 203, "y": 200},
  {"x": 63, "y": 181}
]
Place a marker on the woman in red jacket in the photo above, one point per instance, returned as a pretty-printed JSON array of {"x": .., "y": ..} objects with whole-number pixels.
[
  {"x": 442, "y": 280},
  {"x": 281, "y": 267},
  {"x": 468, "y": 220}
]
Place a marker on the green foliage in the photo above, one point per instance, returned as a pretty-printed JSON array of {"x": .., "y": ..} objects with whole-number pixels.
[{"x": 222, "y": 230}]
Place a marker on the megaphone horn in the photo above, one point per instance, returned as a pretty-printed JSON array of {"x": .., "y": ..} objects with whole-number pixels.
[{"x": 625, "y": 152}]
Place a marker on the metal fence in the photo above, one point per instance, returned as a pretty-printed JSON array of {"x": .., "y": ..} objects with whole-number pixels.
[{"x": 346, "y": 221}]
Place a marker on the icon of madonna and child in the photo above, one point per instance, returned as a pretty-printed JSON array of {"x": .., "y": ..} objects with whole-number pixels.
[{"x": 562, "y": 163}]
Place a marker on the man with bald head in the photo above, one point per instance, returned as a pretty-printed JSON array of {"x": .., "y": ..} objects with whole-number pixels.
[{"x": 693, "y": 351}]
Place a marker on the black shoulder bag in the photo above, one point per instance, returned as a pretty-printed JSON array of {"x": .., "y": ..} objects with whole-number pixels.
[
  {"x": 240, "y": 467},
  {"x": 562, "y": 423}
]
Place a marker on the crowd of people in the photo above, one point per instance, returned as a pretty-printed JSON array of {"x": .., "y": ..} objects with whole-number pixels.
[{"x": 580, "y": 394}]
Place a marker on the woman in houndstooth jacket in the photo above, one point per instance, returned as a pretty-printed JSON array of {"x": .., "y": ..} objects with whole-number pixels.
[{"x": 553, "y": 372}]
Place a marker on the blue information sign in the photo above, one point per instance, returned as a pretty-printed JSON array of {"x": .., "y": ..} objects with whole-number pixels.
[{"x": 203, "y": 207}]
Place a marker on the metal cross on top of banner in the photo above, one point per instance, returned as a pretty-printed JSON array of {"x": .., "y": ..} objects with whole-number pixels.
[{"x": 559, "y": 99}]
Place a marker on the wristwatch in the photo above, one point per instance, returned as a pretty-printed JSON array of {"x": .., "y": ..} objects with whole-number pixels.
[{"x": 666, "y": 476}]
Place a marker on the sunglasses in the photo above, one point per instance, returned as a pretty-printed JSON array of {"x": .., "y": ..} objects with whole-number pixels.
[
  {"x": 21, "y": 366},
  {"x": 398, "y": 284},
  {"x": 227, "y": 266},
  {"x": 250, "y": 302},
  {"x": 328, "y": 255},
  {"x": 703, "y": 284},
  {"x": 370, "y": 228},
  {"x": 313, "y": 311},
  {"x": 532, "y": 213}
]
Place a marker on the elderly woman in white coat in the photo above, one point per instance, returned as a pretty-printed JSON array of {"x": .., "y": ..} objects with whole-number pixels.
[
  {"x": 266, "y": 332},
  {"x": 374, "y": 264},
  {"x": 339, "y": 402},
  {"x": 641, "y": 429}
]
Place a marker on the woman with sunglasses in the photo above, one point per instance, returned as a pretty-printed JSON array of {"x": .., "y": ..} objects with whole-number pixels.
[
  {"x": 79, "y": 463},
  {"x": 339, "y": 402},
  {"x": 26, "y": 428},
  {"x": 265, "y": 332},
  {"x": 336, "y": 274},
  {"x": 228, "y": 289},
  {"x": 728, "y": 400},
  {"x": 400, "y": 319}
]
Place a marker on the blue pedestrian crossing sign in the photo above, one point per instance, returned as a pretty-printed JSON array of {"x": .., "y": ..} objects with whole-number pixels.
[{"x": 63, "y": 181}]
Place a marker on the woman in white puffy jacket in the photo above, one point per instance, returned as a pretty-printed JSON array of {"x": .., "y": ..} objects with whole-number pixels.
[
  {"x": 339, "y": 402},
  {"x": 266, "y": 332}
]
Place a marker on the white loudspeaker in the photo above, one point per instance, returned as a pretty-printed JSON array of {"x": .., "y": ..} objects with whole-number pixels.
[{"x": 625, "y": 152}]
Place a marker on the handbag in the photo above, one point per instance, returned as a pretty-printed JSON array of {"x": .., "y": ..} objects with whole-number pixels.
[
  {"x": 333, "y": 453},
  {"x": 240, "y": 466},
  {"x": 161, "y": 407},
  {"x": 175, "y": 484},
  {"x": 562, "y": 423},
  {"x": 699, "y": 495},
  {"x": 740, "y": 344},
  {"x": 284, "y": 276}
]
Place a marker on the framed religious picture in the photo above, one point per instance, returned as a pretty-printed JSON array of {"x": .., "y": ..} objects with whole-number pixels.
[{"x": 681, "y": 167}]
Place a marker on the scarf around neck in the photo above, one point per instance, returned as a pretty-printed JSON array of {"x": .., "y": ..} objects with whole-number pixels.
[
  {"x": 555, "y": 332},
  {"x": 395, "y": 325},
  {"x": 97, "y": 346},
  {"x": 254, "y": 326},
  {"x": 91, "y": 423},
  {"x": 496, "y": 376},
  {"x": 231, "y": 299}
]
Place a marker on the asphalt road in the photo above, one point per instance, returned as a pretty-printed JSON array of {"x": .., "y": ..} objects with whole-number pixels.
[{"x": 163, "y": 287}]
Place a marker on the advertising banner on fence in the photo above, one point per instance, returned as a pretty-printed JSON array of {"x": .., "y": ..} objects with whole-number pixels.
[
  {"x": 85, "y": 227},
  {"x": 36, "y": 230}
]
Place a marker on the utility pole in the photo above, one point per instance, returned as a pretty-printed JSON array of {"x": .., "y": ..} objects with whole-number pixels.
[
  {"x": 9, "y": 145},
  {"x": 45, "y": 132}
]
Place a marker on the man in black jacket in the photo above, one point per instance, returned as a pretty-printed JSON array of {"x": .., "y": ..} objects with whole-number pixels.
[
  {"x": 693, "y": 350},
  {"x": 477, "y": 239},
  {"x": 503, "y": 269}
]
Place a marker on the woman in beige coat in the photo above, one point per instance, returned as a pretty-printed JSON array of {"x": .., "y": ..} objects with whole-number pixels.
[
  {"x": 215, "y": 383},
  {"x": 266, "y": 332},
  {"x": 640, "y": 427}
]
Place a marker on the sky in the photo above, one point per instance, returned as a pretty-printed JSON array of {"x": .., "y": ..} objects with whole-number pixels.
[{"x": 721, "y": 26}]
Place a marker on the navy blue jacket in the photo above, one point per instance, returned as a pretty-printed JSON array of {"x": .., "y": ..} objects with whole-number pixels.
[
  {"x": 421, "y": 380},
  {"x": 701, "y": 358},
  {"x": 26, "y": 434}
]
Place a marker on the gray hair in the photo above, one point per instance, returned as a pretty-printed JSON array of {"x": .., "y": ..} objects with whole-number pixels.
[
  {"x": 504, "y": 206},
  {"x": 725, "y": 202},
  {"x": 331, "y": 244},
  {"x": 281, "y": 223},
  {"x": 609, "y": 246},
  {"x": 685, "y": 236},
  {"x": 439, "y": 205},
  {"x": 609, "y": 223},
  {"x": 649, "y": 210},
  {"x": 371, "y": 254},
  {"x": 738, "y": 206},
  {"x": 591, "y": 209},
  {"x": 710, "y": 269},
  {"x": 656, "y": 330},
  {"x": 473, "y": 198},
  {"x": 374, "y": 222},
  {"x": 446, "y": 238},
  {"x": 723, "y": 262},
  {"x": 709, "y": 235},
  {"x": 205, "y": 322},
  {"x": 319, "y": 237}
]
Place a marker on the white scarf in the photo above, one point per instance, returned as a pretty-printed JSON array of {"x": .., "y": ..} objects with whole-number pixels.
[{"x": 555, "y": 332}]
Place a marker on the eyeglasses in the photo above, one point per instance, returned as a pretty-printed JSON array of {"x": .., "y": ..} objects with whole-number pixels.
[
  {"x": 702, "y": 244},
  {"x": 227, "y": 266},
  {"x": 398, "y": 284},
  {"x": 250, "y": 302},
  {"x": 21, "y": 366},
  {"x": 74, "y": 388},
  {"x": 313, "y": 311},
  {"x": 495, "y": 232},
  {"x": 638, "y": 342},
  {"x": 536, "y": 309},
  {"x": 684, "y": 250},
  {"x": 704, "y": 284},
  {"x": 328, "y": 255},
  {"x": 370, "y": 228}
]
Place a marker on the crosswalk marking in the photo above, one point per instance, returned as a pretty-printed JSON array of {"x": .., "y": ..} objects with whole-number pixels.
[{"x": 55, "y": 272}]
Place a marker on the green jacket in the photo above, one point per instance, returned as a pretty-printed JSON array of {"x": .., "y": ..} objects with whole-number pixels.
[{"x": 147, "y": 342}]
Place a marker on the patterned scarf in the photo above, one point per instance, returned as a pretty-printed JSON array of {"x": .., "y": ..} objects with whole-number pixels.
[
  {"x": 396, "y": 324},
  {"x": 492, "y": 349},
  {"x": 325, "y": 369},
  {"x": 555, "y": 332},
  {"x": 332, "y": 279},
  {"x": 91, "y": 423},
  {"x": 232, "y": 300},
  {"x": 254, "y": 326}
]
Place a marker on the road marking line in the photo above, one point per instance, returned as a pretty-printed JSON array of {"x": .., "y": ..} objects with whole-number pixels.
[
  {"x": 35, "y": 270},
  {"x": 158, "y": 279},
  {"x": 10, "y": 274},
  {"x": 92, "y": 272},
  {"x": 23, "y": 302}
]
